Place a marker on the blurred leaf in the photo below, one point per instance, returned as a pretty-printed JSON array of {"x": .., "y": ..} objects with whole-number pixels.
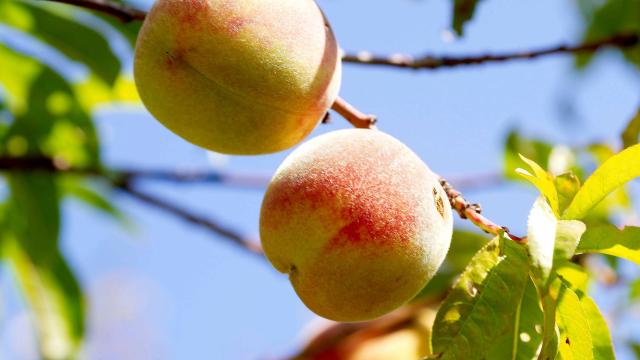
[
  {"x": 55, "y": 300},
  {"x": 462, "y": 12},
  {"x": 536, "y": 150},
  {"x": 54, "y": 125},
  {"x": 79, "y": 189},
  {"x": 613, "y": 17},
  {"x": 129, "y": 30},
  {"x": 616, "y": 171},
  {"x": 575, "y": 336},
  {"x": 567, "y": 185},
  {"x": 632, "y": 131},
  {"x": 541, "y": 180},
  {"x": 523, "y": 341},
  {"x": 483, "y": 304},
  {"x": 17, "y": 81},
  {"x": 608, "y": 239},
  {"x": 464, "y": 244},
  {"x": 92, "y": 92},
  {"x": 34, "y": 214},
  {"x": 77, "y": 41},
  {"x": 541, "y": 235},
  {"x": 634, "y": 290},
  {"x": 636, "y": 349}
]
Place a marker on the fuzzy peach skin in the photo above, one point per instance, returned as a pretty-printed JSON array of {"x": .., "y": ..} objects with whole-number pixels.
[
  {"x": 358, "y": 222},
  {"x": 237, "y": 76}
]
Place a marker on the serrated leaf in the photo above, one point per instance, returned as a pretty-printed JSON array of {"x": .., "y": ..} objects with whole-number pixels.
[
  {"x": 607, "y": 239},
  {"x": 483, "y": 304},
  {"x": 75, "y": 40},
  {"x": 541, "y": 180},
  {"x": 55, "y": 301},
  {"x": 616, "y": 171},
  {"x": 575, "y": 337},
  {"x": 523, "y": 342},
  {"x": 631, "y": 131},
  {"x": 541, "y": 235},
  {"x": 567, "y": 185},
  {"x": 462, "y": 12}
]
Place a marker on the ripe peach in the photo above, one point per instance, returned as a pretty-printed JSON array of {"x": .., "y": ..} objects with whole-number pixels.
[
  {"x": 358, "y": 222},
  {"x": 237, "y": 77}
]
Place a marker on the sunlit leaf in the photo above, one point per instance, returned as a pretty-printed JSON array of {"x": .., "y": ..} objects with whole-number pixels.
[
  {"x": 92, "y": 92},
  {"x": 541, "y": 235},
  {"x": 567, "y": 185},
  {"x": 601, "y": 338},
  {"x": 632, "y": 131},
  {"x": 568, "y": 233},
  {"x": 541, "y": 180},
  {"x": 575, "y": 336},
  {"x": 55, "y": 301},
  {"x": 573, "y": 274},
  {"x": 533, "y": 149},
  {"x": 77, "y": 41},
  {"x": 607, "y": 239},
  {"x": 483, "y": 304},
  {"x": 17, "y": 81},
  {"x": 616, "y": 171}
]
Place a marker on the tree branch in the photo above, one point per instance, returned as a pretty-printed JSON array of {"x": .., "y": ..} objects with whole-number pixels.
[
  {"x": 127, "y": 14},
  {"x": 123, "y": 181},
  {"x": 437, "y": 62},
  {"x": 121, "y": 12}
]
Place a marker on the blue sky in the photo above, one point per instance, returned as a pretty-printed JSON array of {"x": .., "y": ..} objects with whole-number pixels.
[{"x": 162, "y": 289}]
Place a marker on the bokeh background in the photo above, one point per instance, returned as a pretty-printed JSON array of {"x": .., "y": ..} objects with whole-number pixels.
[{"x": 159, "y": 288}]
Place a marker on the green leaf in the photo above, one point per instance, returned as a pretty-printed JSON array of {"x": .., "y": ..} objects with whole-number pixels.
[
  {"x": 515, "y": 144},
  {"x": 634, "y": 290},
  {"x": 55, "y": 301},
  {"x": 464, "y": 244},
  {"x": 613, "y": 17},
  {"x": 462, "y": 12},
  {"x": 541, "y": 236},
  {"x": 82, "y": 191},
  {"x": 17, "y": 81},
  {"x": 573, "y": 274},
  {"x": 616, "y": 171},
  {"x": 34, "y": 214},
  {"x": 77, "y": 41},
  {"x": 129, "y": 30},
  {"x": 567, "y": 185},
  {"x": 523, "y": 341},
  {"x": 541, "y": 180},
  {"x": 575, "y": 335},
  {"x": 568, "y": 233},
  {"x": 607, "y": 239},
  {"x": 483, "y": 304},
  {"x": 632, "y": 131},
  {"x": 601, "y": 338}
]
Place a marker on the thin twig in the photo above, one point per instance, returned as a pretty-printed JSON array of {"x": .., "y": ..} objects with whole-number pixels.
[
  {"x": 472, "y": 212},
  {"x": 437, "y": 62},
  {"x": 191, "y": 217},
  {"x": 123, "y": 180},
  {"x": 127, "y": 14}
]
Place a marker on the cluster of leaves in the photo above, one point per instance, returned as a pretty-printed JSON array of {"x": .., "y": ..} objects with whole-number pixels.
[
  {"x": 531, "y": 301},
  {"x": 45, "y": 114}
]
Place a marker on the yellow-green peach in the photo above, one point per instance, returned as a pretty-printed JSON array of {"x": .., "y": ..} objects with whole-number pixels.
[
  {"x": 237, "y": 77},
  {"x": 358, "y": 221}
]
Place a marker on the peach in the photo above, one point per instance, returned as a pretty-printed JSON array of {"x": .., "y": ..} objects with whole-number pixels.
[
  {"x": 358, "y": 222},
  {"x": 237, "y": 77}
]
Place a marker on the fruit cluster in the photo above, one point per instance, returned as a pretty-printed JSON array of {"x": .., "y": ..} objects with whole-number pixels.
[{"x": 355, "y": 218}]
